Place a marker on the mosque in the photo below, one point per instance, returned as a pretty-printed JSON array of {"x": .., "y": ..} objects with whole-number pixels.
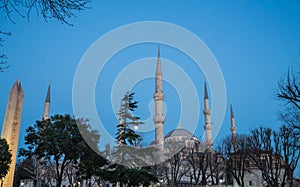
[
  {"x": 161, "y": 141},
  {"x": 180, "y": 133},
  {"x": 215, "y": 174}
]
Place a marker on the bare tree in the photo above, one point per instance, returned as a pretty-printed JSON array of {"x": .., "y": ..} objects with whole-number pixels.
[
  {"x": 198, "y": 166},
  {"x": 216, "y": 166},
  {"x": 290, "y": 151},
  {"x": 289, "y": 92},
  {"x": 177, "y": 165},
  {"x": 288, "y": 88},
  {"x": 265, "y": 154},
  {"x": 237, "y": 161},
  {"x": 290, "y": 116}
]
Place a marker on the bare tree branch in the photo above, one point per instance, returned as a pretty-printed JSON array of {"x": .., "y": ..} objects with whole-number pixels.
[
  {"x": 288, "y": 88},
  {"x": 61, "y": 10},
  {"x": 3, "y": 58}
]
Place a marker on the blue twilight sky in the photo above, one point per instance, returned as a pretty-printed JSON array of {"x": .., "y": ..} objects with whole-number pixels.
[{"x": 254, "y": 42}]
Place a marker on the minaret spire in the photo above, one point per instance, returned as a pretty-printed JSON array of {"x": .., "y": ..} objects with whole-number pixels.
[
  {"x": 47, "y": 104},
  {"x": 158, "y": 74},
  {"x": 11, "y": 127},
  {"x": 233, "y": 129},
  {"x": 207, "y": 126},
  {"x": 159, "y": 118},
  {"x": 48, "y": 94},
  {"x": 205, "y": 91}
]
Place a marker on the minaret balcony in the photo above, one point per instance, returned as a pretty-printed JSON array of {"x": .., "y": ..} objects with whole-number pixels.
[
  {"x": 206, "y": 112},
  {"x": 158, "y": 96},
  {"x": 159, "y": 118},
  {"x": 208, "y": 127}
]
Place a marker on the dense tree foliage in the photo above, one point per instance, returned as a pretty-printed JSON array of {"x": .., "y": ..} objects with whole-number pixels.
[
  {"x": 91, "y": 166},
  {"x": 58, "y": 146},
  {"x": 131, "y": 176},
  {"x": 5, "y": 158}
]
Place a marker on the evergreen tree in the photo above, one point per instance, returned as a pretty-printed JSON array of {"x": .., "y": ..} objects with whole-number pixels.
[
  {"x": 126, "y": 135},
  {"x": 128, "y": 150}
]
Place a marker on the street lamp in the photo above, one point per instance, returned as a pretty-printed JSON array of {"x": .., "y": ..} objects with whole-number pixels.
[
  {"x": 2, "y": 179},
  {"x": 161, "y": 181}
]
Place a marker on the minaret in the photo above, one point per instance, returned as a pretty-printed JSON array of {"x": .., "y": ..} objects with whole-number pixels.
[
  {"x": 40, "y": 170},
  {"x": 207, "y": 126},
  {"x": 233, "y": 129},
  {"x": 158, "y": 97},
  {"x": 47, "y": 105},
  {"x": 11, "y": 127}
]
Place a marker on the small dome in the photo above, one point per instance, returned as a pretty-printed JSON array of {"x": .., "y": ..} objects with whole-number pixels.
[{"x": 179, "y": 132}]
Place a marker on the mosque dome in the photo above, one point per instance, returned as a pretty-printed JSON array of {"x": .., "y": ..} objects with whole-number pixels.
[
  {"x": 179, "y": 132},
  {"x": 179, "y": 135}
]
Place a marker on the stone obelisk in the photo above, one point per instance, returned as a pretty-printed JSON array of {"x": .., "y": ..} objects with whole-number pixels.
[{"x": 11, "y": 127}]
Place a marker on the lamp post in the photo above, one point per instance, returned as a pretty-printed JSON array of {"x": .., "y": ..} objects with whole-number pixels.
[
  {"x": 161, "y": 182},
  {"x": 2, "y": 179},
  {"x": 22, "y": 183}
]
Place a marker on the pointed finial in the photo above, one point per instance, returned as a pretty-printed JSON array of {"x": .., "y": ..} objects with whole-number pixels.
[
  {"x": 48, "y": 94},
  {"x": 158, "y": 65},
  {"x": 158, "y": 54},
  {"x": 17, "y": 86},
  {"x": 231, "y": 111},
  {"x": 205, "y": 91},
  {"x": 179, "y": 125}
]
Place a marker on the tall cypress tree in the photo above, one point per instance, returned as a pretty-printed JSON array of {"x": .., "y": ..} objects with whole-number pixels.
[
  {"x": 126, "y": 135},
  {"x": 128, "y": 152}
]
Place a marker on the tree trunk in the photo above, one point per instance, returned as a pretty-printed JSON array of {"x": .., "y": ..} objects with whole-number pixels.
[{"x": 58, "y": 184}]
